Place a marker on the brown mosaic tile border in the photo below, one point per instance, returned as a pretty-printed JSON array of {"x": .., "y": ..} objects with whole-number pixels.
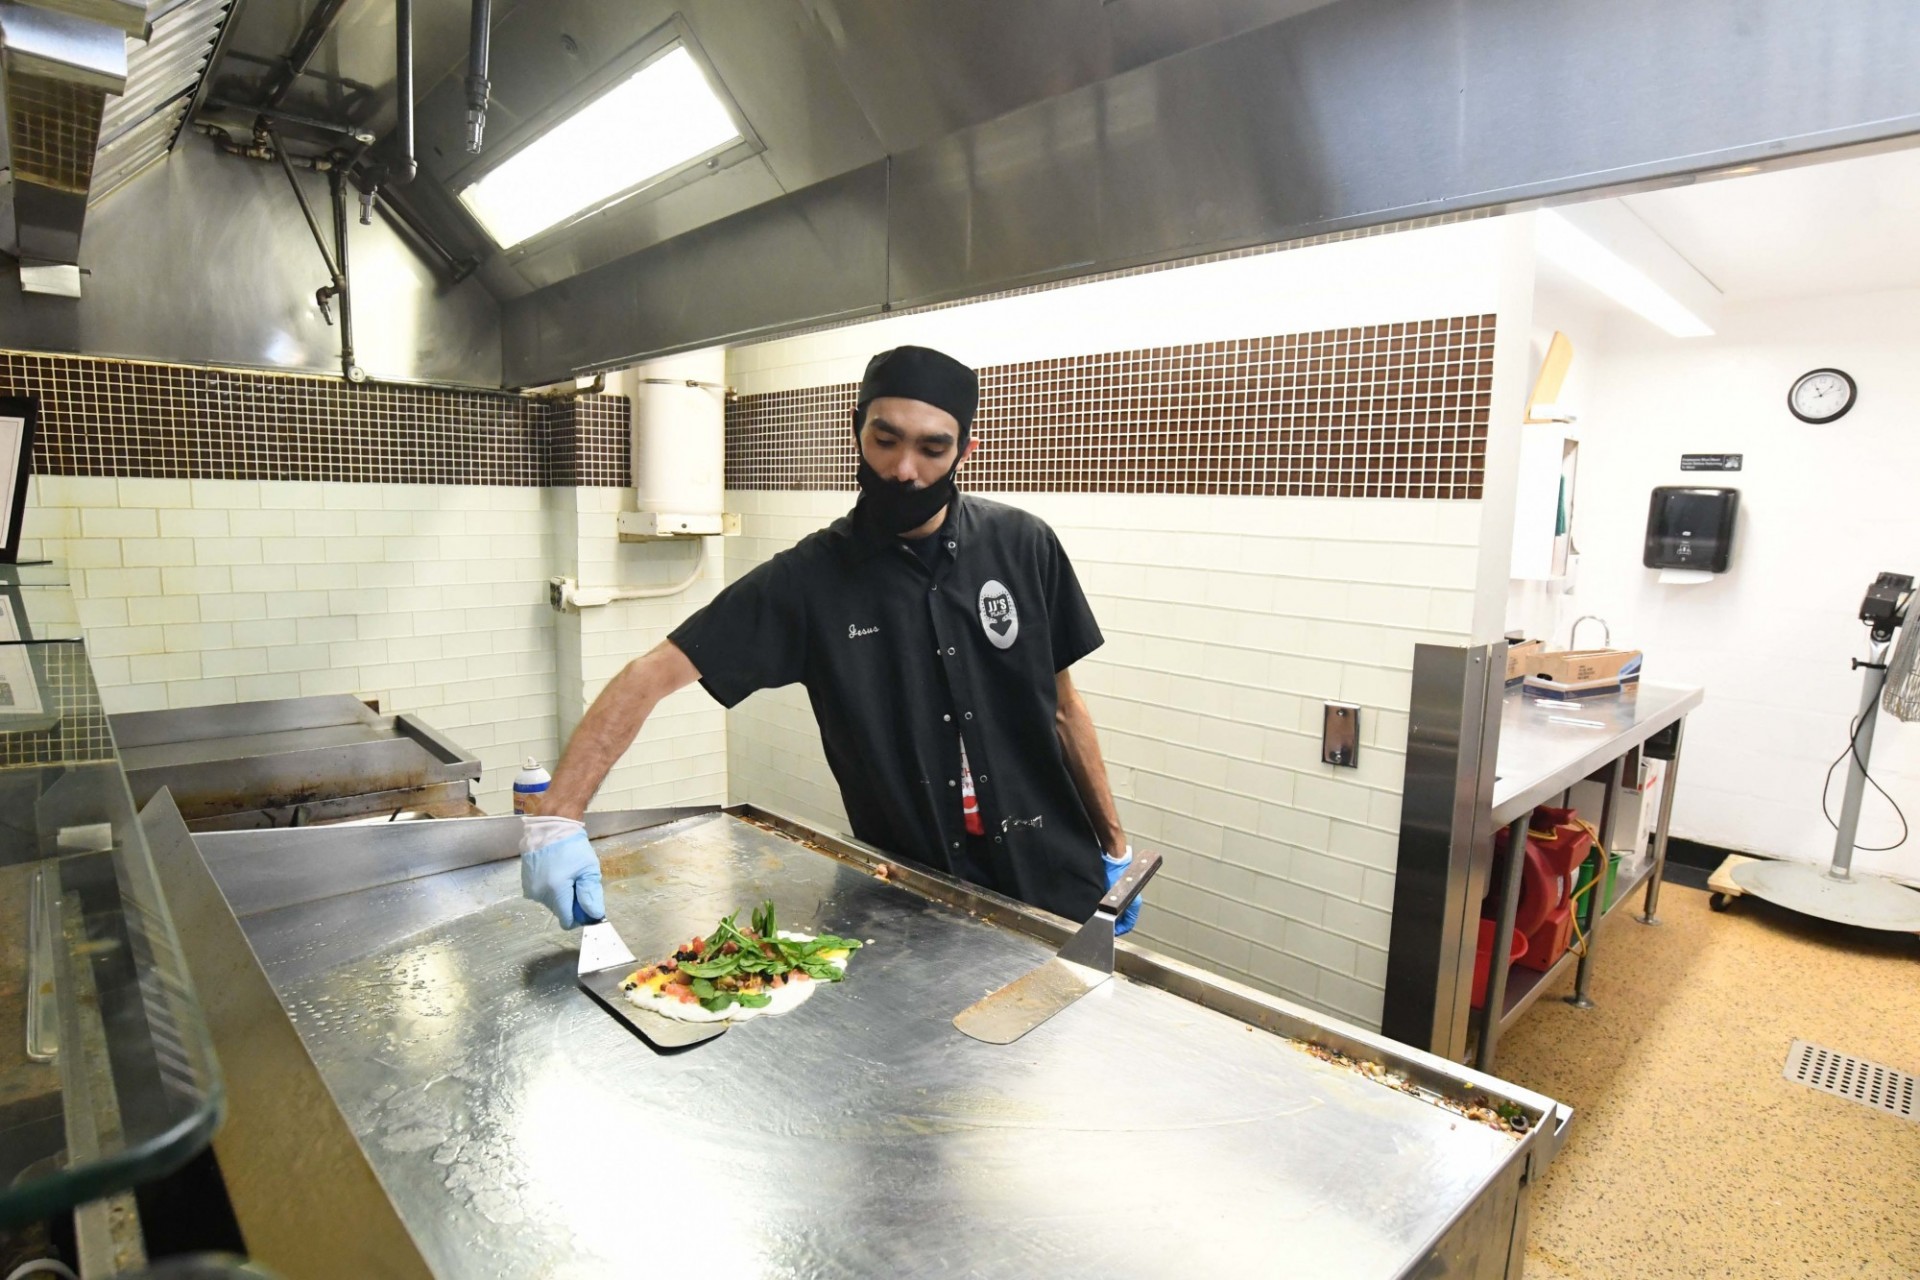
[
  {"x": 589, "y": 441},
  {"x": 102, "y": 417},
  {"x": 1377, "y": 411}
]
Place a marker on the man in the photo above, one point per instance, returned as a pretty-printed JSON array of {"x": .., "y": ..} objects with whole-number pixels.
[{"x": 933, "y": 631}]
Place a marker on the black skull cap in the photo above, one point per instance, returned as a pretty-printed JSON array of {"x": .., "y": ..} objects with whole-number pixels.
[{"x": 921, "y": 373}]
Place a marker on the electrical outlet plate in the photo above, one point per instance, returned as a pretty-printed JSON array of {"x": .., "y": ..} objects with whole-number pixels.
[{"x": 1340, "y": 735}]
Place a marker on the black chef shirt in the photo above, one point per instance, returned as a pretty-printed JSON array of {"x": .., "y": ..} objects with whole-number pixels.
[{"x": 901, "y": 658}]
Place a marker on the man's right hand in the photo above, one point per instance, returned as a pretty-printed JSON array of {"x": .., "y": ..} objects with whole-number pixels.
[{"x": 560, "y": 871}]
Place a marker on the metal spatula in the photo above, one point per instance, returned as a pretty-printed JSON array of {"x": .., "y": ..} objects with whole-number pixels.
[
  {"x": 1082, "y": 964},
  {"x": 604, "y": 964}
]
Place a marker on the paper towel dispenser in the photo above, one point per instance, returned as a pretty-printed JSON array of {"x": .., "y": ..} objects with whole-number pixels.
[{"x": 1690, "y": 528}]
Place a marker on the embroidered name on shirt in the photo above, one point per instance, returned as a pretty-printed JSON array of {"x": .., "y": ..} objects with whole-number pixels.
[
  {"x": 855, "y": 631},
  {"x": 1038, "y": 820},
  {"x": 998, "y": 617}
]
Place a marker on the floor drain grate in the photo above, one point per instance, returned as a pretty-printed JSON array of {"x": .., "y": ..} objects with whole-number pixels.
[{"x": 1869, "y": 1083}]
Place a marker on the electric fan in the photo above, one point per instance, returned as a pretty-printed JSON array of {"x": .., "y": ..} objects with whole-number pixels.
[{"x": 1837, "y": 892}]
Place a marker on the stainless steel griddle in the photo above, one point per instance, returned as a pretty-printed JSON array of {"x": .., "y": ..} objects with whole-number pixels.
[
  {"x": 292, "y": 762},
  {"x": 1167, "y": 1124}
]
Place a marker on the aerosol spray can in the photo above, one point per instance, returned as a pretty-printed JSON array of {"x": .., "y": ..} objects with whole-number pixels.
[{"x": 530, "y": 783}]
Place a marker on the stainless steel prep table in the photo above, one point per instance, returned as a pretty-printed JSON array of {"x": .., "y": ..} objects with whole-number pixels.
[
  {"x": 520, "y": 1131},
  {"x": 1547, "y": 745}
]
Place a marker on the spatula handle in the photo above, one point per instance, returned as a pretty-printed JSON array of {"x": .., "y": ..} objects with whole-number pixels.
[{"x": 1130, "y": 883}]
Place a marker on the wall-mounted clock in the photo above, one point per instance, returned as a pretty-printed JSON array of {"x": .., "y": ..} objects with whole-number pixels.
[{"x": 1821, "y": 396}]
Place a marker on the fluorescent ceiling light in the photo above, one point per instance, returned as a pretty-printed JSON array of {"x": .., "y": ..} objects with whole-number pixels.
[
  {"x": 1573, "y": 250},
  {"x": 657, "y": 120}
]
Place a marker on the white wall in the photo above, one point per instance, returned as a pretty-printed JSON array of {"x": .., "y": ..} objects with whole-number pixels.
[
  {"x": 1228, "y": 621},
  {"x": 431, "y": 598},
  {"x": 681, "y": 755},
  {"x": 1823, "y": 510}
]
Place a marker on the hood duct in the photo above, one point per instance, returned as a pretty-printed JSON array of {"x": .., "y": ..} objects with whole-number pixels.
[
  {"x": 164, "y": 73},
  {"x": 89, "y": 102},
  {"x": 56, "y": 71}
]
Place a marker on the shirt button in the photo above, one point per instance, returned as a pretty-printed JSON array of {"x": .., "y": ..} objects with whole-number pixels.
[
  {"x": 952, "y": 783},
  {"x": 948, "y": 719},
  {"x": 950, "y": 654},
  {"x": 983, "y": 779},
  {"x": 956, "y": 844},
  {"x": 969, "y": 714},
  {"x": 997, "y": 840},
  {"x": 950, "y": 546},
  {"x": 934, "y": 587}
]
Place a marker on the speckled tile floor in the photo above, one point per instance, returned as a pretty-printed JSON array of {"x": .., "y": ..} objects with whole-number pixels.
[{"x": 1691, "y": 1155}]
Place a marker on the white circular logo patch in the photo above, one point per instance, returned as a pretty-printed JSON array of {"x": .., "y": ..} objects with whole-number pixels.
[{"x": 998, "y": 618}]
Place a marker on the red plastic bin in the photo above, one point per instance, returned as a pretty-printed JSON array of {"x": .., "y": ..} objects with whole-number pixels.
[{"x": 1483, "y": 959}]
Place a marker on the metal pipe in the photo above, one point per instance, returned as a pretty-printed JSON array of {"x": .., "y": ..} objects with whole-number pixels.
[
  {"x": 402, "y": 169},
  {"x": 306, "y": 210},
  {"x": 479, "y": 88},
  {"x": 1858, "y": 751},
  {"x": 1496, "y": 1003},
  {"x": 337, "y": 182},
  {"x": 1597, "y": 891},
  {"x": 305, "y": 45},
  {"x": 288, "y": 117},
  {"x": 1669, "y": 782},
  {"x": 403, "y": 218}
]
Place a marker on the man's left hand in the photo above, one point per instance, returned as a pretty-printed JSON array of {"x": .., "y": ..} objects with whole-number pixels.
[{"x": 1117, "y": 867}]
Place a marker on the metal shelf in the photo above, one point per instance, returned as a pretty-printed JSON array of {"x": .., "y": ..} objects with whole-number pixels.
[
  {"x": 1547, "y": 745},
  {"x": 1524, "y": 986}
]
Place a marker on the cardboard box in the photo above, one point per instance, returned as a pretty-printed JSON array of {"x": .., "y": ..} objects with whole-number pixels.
[
  {"x": 1585, "y": 666},
  {"x": 1519, "y": 659}
]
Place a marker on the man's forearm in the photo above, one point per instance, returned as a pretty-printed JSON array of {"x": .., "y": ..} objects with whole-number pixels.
[
  {"x": 1081, "y": 745},
  {"x": 610, "y": 726}
]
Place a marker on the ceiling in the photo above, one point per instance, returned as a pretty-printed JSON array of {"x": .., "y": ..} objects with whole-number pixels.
[
  {"x": 1844, "y": 226},
  {"x": 827, "y": 85}
]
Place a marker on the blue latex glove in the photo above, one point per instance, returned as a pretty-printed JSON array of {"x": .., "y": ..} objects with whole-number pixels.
[
  {"x": 1117, "y": 867},
  {"x": 560, "y": 871}
]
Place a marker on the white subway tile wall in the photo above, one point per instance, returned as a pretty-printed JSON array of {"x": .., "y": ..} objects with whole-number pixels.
[
  {"x": 681, "y": 755},
  {"x": 431, "y": 598}
]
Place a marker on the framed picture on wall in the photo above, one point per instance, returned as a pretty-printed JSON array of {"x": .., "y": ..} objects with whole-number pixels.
[{"x": 18, "y": 417}]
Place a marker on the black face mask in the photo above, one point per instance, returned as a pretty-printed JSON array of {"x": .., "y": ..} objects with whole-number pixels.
[{"x": 895, "y": 506}]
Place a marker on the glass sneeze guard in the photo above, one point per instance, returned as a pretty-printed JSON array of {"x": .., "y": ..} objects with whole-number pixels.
[{"x": 89, "y": 957}]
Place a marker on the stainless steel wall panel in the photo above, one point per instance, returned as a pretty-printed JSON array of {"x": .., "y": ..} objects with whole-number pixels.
[
  {"x": 1446, "y": 844},
  {"x": 205, "y": 260},
  {"x": 816, "y": 255},
  {"x": 1375, "y": 111},
  {"x": 285, "y": 1140}
]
